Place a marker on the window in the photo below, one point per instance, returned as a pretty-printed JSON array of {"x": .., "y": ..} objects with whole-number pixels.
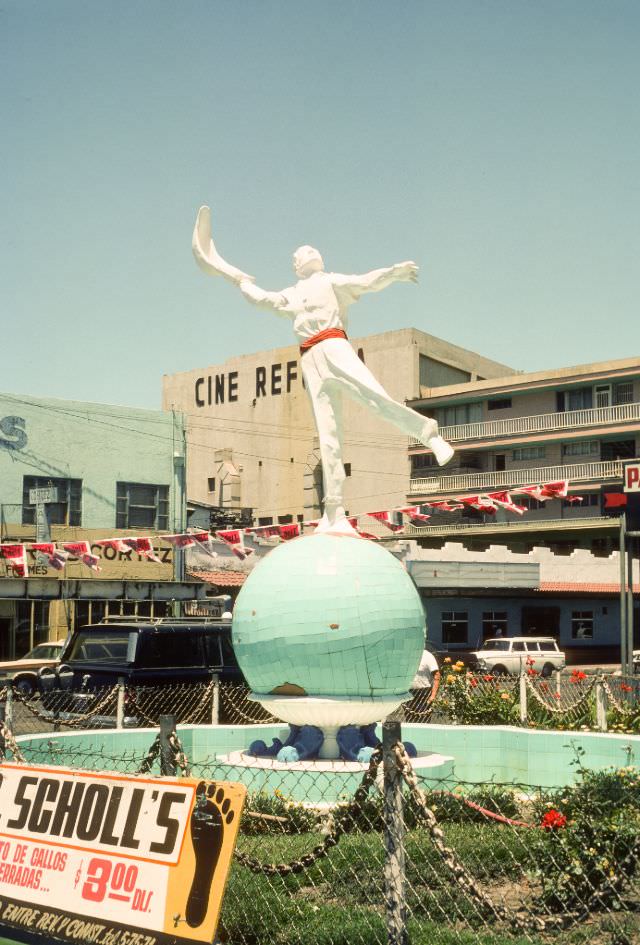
[
  {"x": 347, "y": 470},
  {"x": 458, "y": 414},
  {"x": 589, "y": 499},
  {"x": 211, "y": 484},
  {"x": 422, "y": 461},
  {"x": 285, "y": 519},
  {"x": 519, "y": 646},
  {"x": 582, "y": 625},
  {"x": 455, "y": 626},
  {"x": 617, "y": 449},
  {"x": 528, "y": 502},
  {"x": 494, "y": 623},
  {"x": 499, "y": 462},
  {"x": 170, "y": 649},
  {"x": 580, "y": 398},
  {"x": 68, "y": 509},
  {"x": 623, "y": 393},
  {"x": 139, "y": 505},
  {"x": 500, "y": 403},
  {"x": 581, "y": 448},
  {"x": 266, "y": 520},
  {"x": 528, "y": 452}
]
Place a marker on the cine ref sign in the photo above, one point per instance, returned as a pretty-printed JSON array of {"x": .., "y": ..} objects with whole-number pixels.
[{"x": 113, "y": 859}]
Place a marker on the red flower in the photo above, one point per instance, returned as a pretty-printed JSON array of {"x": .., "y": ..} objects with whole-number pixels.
[
  {"x": 488, "y": 678},
  {"x": 556, "y": 695},
  {"x": 473, "y": 683},
  {"x": 553, "y": 820},
  {"x": 532, "y": 672},
  {"x": 530, "y": 662},
  {"x": 626, "y": 688}
]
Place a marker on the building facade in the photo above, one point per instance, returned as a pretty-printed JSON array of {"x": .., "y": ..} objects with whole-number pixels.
[
  {"x": 103, "y": 472},
  {"x": 251, "y": 438},
  {"x": 578, "y": 424}
]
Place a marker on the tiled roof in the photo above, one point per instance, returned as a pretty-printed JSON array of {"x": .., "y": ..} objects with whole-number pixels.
[
  {"x": 221, "y": 578},
  {"x": 588, "y": 588}
]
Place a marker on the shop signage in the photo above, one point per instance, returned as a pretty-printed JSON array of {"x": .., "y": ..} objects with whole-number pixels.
[
  {"x": 113, "y": 859},
  {"x": 631, "y": 477},
  {"x": 43, "y": 495}
]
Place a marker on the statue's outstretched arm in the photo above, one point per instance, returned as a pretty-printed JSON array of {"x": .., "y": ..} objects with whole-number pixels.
[
  {"x": 276, "y": 302},
  {"x": 211, "y": 262},
  {"x": 207, "y": 256},
  {"x": 376, "y": 279}
]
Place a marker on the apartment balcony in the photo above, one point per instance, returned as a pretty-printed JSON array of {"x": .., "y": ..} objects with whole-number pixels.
[
  {"x": 510, "y": 478},
  {"x": 540, "y": 423}
]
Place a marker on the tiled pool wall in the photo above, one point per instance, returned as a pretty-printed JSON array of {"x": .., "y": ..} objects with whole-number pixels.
[{"x": 501, "y": 754}]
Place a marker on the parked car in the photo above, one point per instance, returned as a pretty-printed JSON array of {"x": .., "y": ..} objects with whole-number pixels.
[
  {"x": 23, "y": 673},
  {"x": 141, "y": 652},
  {"x": 507, "y": 655}
]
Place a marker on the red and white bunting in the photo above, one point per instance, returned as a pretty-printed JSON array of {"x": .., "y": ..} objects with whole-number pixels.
[
  {"x": 56, "y": 558},
  {"x": 414, "y": 514},
  {"x": 385, "y": 519},
  {"x": 16, "y": 558},
  {"x": 82, "y": 551},
  {"x": 117, "y": 544},
  {"x": 287, "y": 532},
  {"x": 505, "y": 501},
  {"x": 58, "y": 553},
  {"x": 234, "y": 538},
  {"x": 143, "y": 547}
]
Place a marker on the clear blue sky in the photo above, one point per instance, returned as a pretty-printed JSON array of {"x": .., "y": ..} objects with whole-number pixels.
[{"x": 496, "y": 142}]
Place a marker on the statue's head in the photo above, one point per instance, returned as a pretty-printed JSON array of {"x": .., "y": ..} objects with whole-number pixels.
[{"x": 306, "y": 261}]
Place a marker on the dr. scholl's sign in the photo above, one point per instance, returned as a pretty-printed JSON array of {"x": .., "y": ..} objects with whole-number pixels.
[{"x": 111, "y": 859}]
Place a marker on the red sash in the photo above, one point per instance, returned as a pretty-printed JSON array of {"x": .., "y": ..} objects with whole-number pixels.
[{"x": 322, "y": 336}]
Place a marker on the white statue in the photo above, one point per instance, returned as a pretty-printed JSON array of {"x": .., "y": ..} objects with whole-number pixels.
[{"x": 318, "y": 305}]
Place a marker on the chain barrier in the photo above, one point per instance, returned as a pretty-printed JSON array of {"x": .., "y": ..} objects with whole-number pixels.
[
  {"x": 560, "y": 709},
  {"x": 57, "y": 719},
  {"x": 7, "y": 736},
  {"x": 179, "y": 754},
  {"x": 335, "y": 828}
]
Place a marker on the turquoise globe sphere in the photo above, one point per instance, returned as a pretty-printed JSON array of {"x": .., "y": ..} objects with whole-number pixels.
[{"x": 329, "y": 615}]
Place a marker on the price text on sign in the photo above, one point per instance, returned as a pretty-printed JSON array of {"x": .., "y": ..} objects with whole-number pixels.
[
  {"x": 632, "y": 477},
  {"x": 99, "y": 857}
]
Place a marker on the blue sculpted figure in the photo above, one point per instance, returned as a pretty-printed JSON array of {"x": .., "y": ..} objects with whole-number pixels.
[{"x": 302, "y": 743}]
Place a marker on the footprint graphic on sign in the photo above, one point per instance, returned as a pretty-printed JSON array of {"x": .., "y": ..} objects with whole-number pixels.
[{"x": 210, "y": 816}]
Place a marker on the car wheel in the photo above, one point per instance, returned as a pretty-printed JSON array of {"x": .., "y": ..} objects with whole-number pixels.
[
  {"x": 547, "y": 669},
  {"x": 25, "y": 687},
  {"x": 499, "y": 671}
]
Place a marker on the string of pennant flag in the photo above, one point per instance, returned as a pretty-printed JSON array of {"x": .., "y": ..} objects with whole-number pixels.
[{"x": 57, "y": 554}]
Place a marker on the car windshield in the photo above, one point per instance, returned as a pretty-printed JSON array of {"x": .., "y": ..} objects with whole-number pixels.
[
  {"x": 495, "y": 645},
  {"x": 106, "y": 646},
  {"x": 43, "y": 651}
]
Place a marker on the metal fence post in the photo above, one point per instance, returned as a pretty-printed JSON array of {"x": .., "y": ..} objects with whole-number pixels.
[
  {"x": 558, "y": 675},
  {"x": 8, "y": 707},
  {"x": 168, "y": 766},
  {"x": 120, "y": 703},
  {"x": 523, "y": 697},
  {"x": 394, "y": 866},
  {"x": 215, "y": 700},
  {"x": 3, "y": 746},
  {"x": 601, "y": 706}
]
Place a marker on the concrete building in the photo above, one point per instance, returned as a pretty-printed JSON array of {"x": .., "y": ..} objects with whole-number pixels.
[
  {"x": 251, "y": 438},
  {"x": 561, "y": 572},
  {"x": 112, "y": 472}
]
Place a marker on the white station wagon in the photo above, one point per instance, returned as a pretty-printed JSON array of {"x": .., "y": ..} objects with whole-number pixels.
[{"x": 510, "y": 655}]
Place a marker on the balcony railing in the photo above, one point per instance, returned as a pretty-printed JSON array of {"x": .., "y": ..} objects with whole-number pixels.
[
  {"x": 578, "y": 472},
  {"x": 540, "y": 423}
]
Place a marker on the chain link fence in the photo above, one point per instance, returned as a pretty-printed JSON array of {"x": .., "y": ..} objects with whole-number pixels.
[
  {"x": 570, "y": 700},
  {"x": 401, "y": 860}
]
